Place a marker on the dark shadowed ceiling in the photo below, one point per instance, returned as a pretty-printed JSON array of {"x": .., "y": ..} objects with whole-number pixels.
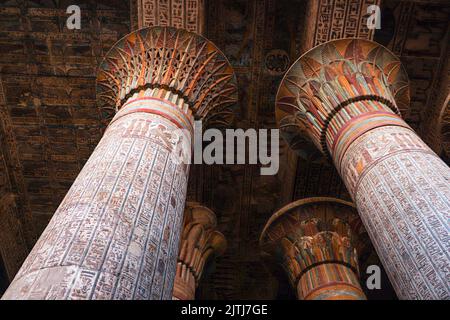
[{"x": 50, "y": 123}]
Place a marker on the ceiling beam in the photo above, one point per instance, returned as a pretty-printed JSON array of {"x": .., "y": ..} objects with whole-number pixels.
[{"x": 184, "y": 14}]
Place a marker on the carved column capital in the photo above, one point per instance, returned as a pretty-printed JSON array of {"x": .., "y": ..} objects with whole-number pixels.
[
  {"x": 314, "y": 240},
  {"x": 199, "y": 241},
  {"x": 116, "y": 234},
  {"x": 335, "y": 83},
  {"x": 345, "y": 97},
  {"x": 169, "y": 64}
]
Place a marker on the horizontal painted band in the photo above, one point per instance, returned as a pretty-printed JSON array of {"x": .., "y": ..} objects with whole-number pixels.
[
  {"x": 362, "y": 119},
  {"x": 316, "y": 264},
  {"x": 359, "y": 126},
  {"x": 342, "y": 289},
  {"x": 163, "y": 108}
]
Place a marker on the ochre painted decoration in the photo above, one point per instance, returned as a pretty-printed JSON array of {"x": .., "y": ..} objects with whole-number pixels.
[
  {"x": 346, "y": 97},
  {"x": 200, "y": 241},
  {"x": 182, "y": 14},
  {"x": 338, "y": 81},
  {"x": 187, "y": 66},
  {"x": 341, "y": 19},
  {"x": 314, "y": 240},
  {"x": 116, "y": 234},
  {"x": 327, "y": 20},
  {"x": 276, "y": 62}
]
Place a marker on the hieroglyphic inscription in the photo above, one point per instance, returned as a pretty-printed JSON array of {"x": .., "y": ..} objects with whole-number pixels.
[
  {"x": 338, "y": 19},
  {"x": 402, "y": 193},
  {"x": 366, "y": 152},
  {"x": 368, "y": 138},
  {"x": 117, "y": 232},
  {"x": 184, "y": 14}
]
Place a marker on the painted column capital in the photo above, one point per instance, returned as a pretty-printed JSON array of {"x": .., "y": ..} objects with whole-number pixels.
[
  {"x": 335, "y": 83},
  {"x": 116, "y": 235},
  {"x": 174, "y": 65},
  {"x": 314, "y": 240},
  {"x": 199, "y": 241},
  {"x": 345, "y": 98}
]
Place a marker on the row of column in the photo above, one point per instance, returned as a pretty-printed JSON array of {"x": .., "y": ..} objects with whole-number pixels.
[
  {"x": 200, "y": 242},
  {"x": 346, "y": 98},
  {"x": 117, "y": 233},
  {"x": 315, "y": 241}
]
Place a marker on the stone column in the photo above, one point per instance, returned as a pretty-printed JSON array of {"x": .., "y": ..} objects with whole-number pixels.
[
  {"x": 346, "y": 98},
  {"x": 200, "y": 241},
  {"x": 314, "y": 240},
  {"x": 116, "y": 234}
]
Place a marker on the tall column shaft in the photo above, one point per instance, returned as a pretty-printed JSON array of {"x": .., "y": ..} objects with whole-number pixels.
[
  {"x": 346, "y": 97},
  {"x": 313, "y": 241},
  {"x": 117, "y": 232},
  {"x": 401, "y": 189}
]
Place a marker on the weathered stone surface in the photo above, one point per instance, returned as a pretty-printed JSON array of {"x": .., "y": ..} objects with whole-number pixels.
[
  {"x": 48, "y": 75},
  {"x": 200, "y": 242},
  {"x": 346, "y": 96},
  {"x": 117, "y": 232},
  {"x": 314, "y": 240}
]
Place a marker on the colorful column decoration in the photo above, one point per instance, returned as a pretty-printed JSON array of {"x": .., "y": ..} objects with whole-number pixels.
[
  {"x": 314, "y": 240},
  {"x": 116, "y": 234},
  {"x": 346, "y": 97},
  {"x": 200, "y": 242}
]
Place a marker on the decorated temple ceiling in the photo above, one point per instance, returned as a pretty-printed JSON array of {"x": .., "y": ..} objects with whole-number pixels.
[{"x": 50, "y": 123}]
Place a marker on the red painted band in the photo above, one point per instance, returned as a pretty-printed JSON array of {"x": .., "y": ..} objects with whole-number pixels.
[
  {"x": 359, "y": 117},
  {"x": 152, "y": 111},
  {"x": 150, "y": 98}
]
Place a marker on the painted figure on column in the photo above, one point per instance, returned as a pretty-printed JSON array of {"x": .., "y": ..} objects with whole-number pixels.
[
  {"x": 116, "y": 234},
  {"x": 314, "y": 240},
  {"x": 346, "y": 97},
  {"x": 200, "y": 241}
]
